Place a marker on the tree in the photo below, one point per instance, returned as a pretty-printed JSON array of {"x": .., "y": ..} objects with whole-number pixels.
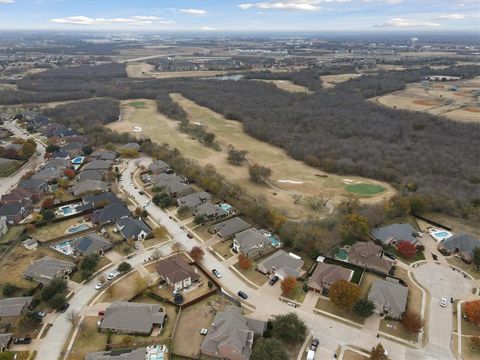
[
  {"x": 269, "y": 349},
  {"x": 156, "y": 254},
  {"x": 87, "y": 150},
  {"x": 288, "y": 285},
  {"x": 56, "y": 286},
  {"x": 28, "y": 149},
  {"x": 52, "y": 148},
  {"x": 129, "y": 153},
  {"x": 138, "y": 211},
  {"x": 472, "y": 311},
  {"x": 31, "y": 318},
  {"x": 183, "y": 210},
  {"x": 344, "y": 294},
  {"x": 199, "y": 219},
  {"x": 70, "y": 173},
  {"x": 89, "y": 264},
  {"x": 48, "y": 203},
  {"x": 364, "y": 308},
  {"x": 8, "y": 289},
  {"x": 162, "y": 199},
  {"x": 412, "y": 322},
  {"x": 73, "y": 316},
  {"x": 244, "y": 262},
  {"x": 406, "y": 249},
  {"x": 378, "y": 353},
  {"x": 57, "y": 301},
  {"x": 197, "y": 253},
  {"x": 258, "y": 173},
  {"x": 354, "y": 227},
  {"x": 289, "y": 328},
  {"x": 236, "y": 157},
  {"x": 160, "y": 232},
  {"x": 476, "y": 257},
  {"x": 124, "y": 267},
  {"x": 30, "y": 227},
  {"x": 210, "y": 284},
  {"x": 48, "y": 214}
]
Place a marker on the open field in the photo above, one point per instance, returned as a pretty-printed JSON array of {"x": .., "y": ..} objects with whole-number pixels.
[
  {"x": 287, "y": 85},
  {"x": 144, "y": 70},
  {"x": 329, "y": 81},
  {"x": 289, "y": 176},
  {"x": 125, "y": 289},
  {"x": 455, "y": 100},
  {"x": 12, "y": 234}
]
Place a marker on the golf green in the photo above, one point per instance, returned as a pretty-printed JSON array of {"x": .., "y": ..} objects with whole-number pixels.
[{"x": 365, "y": 189}]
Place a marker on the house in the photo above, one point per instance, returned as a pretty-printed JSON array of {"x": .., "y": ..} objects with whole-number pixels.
[
  {"x": 369, "y": 255},
  {"x": 72, "y": 148},
  {"x": 252, "y": 242},
  {"x": 209, "y": 211},
  {"x": 160, "y": 180},
  {"x": 14, "y": 147},
  {"x": 14, "y": 213},
  {"x": 193, "y": 200},
  {"x": 38, "y": 188},
  {"x": 35, "y": 120},
  {"x": 394, "y": 233},
  {"x": 18, "y": 196},
  {"x": 461, "y": 244},
  {"x": 177, "y": 273},
  {"x": 12, "y": 308},
  {"x": 102, "y": 199},
  {"x": 48, "y": 174},
  {"x": 90, "y": 175},
  {"x": 132, "y": 146},
  {"x": 77, "y": 139},
  {"x": 56, "y": 130},
  {"x": 226, "y": 229},
  {"x": 282, "y": 264},
  {"x": 132, "y": 318},
  {"x": 98, "y": 165},
  {"x": 104, "y": 155},
  {"x": 325, "y": 275},
  {"x": 91, "y": 244},
  {"x": 3, "y": 226},
  {"x": 47, "y": 268},
  {"x": 131, "y": 228},
  {"x": 110, "y": 213},
  {"x": 5, "y": 342},
  {"x": 173, "y": 185},
  {"x": 60, "y": 154},
  {"x": 231, "y": 335},
  {"x": 158, "y": 167},
  {"x": 130, "y": 354},
  {"x": 57, "y": 163},
  {"x": 30, "y": 244},
  {"x": 89, "y": 186},
  {"x": 389, "y": 297}
]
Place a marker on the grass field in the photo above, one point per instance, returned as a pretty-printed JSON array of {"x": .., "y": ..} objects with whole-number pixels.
[
  {"x": 53, "y": 231},
  {"x": 137, "y": 104},
  {"x": 88, "y": 339},
  {"x": 8, "y": 167},
  {"x": 329, "y": 81},
  {"x": 289, "y": 176},
  {"x": 287, "y": 85},
  {"x": 365, "y": 189}
]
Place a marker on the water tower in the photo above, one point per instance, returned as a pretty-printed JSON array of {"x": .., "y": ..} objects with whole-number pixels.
[{"x": 413, "y": 42}]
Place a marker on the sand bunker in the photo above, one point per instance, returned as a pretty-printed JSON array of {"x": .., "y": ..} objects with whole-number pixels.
[
  {"x": 290, "y": 182},
  {"x": 426, "y": 102},
  {"x": 136, "y": 129}
]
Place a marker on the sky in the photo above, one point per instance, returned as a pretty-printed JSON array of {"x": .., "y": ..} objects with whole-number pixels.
[{"x": 241, "y": 15}]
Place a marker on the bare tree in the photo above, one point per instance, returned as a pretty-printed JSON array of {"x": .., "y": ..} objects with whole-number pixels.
[
  {"x": 156, "y": 254},
  {"x": 73, "y": 316}
]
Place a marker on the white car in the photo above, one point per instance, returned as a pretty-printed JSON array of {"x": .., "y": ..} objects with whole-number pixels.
[
  {"x": 146, "y": 203},
  {"x": 203, "y": 331},
  {"x": 113, "y": 275},
  {"x": 99, "y": 285},
  {"x": 443, "y": 302}
]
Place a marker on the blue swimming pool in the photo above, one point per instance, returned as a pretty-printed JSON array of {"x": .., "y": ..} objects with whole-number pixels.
[
  {"x": 274, "y": 241},
  {"x": 78, "y": 160},
  {"x": 77, "y": 228},
  {"x": 225, "y": 206}
]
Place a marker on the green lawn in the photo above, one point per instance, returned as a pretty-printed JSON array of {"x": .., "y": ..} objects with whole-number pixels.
[
  {"x": 8, "y": 167},
  {"x": 298, "y": 294},
  {"x": 365, "y": 189},
  {"x": 137, "y": 104},
  {"x": 12, "y": 234}
]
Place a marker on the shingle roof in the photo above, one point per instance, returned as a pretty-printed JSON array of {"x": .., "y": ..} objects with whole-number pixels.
[
  {"x": 111, "y": 212},
  {"x": 396, "y": 232},
  {"x": 230, "y": 227},
  {"x": 4, "y": 340},
  {"x": 195, "y": 199},
  {"x": 55, "y": 163},
  {"x": 10, "y": 209},
  {"x": 283, "y": 263},
  {"x": 90, "y": 175},
  {"x": 14, "y": 306},
  {"x": 104, "y": 155},
  {"x": 463, "y": 242},
  {"x": 132, "y": 317},
  {"x": 130, "y": 227},
  {"x": 328, "y": 273},
  {"x": 208, "y": 209},
  {"x": 175, "y": 269},
  {"x": 389, "y": 295},
  {"x": 32, "y": 184},
  {"x": 367, "y": 254},
  {"x": 131, "y": 354},
  {"x": 89, "y": 186},
  {"x": 98, "y": 165},
  {"x": 251, "y": 238},
  {"x": 47, "y": 268},
  {"x": 91, "y": 244},
  {"x": 158, "y": 166},
  {"x": 48, "y": 174}
]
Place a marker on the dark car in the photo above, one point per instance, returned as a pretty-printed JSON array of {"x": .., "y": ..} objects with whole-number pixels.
[
  {"x": 314, "y": 344},
  {"x": 141, "y": 192},
  {"x": 101, "y": 313},
  {"x": 190, "y": 235},
  {"x": 23, "y": 340},
  {"x": 64, "y": 307},
  {"x": 242, "y": 295},
  {"x": 434, "y": 256},
  {"x": 273, "y": 280},
  {"x": 389, "y": 255}
]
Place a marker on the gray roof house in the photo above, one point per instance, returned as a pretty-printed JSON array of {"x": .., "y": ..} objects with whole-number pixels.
[
  {"x": 110, "y": 213},
  {"x": 90, "y": 175},
  {"x": 325, "y": 275},
  {"x": 394, "y": 233},
  {"x": 104, "y": 155},
  {"x": 5, "y": 341},
  {"x": 195, "y": 199},
  {"x": 174, "y": 185},
  {"x": 209, "y": 211},
  {"x": 460, "y": 244},
  {"x": 389, "y": 297},
  {"x": 135, "y": 318},
  {"x": 282, "y": 264},
  {"x": 89, "y": 186},
  {"x": 131, "y": 228},
  {"x": 131, "y": 354},
  {"x": 231, "y": 335},
  {"x": 12, "y": 307},
  {"x": 133, "y": 146},
  {"x": 57, "y": 163},
  {"x": 91, "y": 244},
  {"x": 104, "y": 198},
  {"x": 158, "y": 167},
  {"x": 47, "y": 268},
  {"x": 226, "y": 229},
  {"x": 98, "y": 165},
  {"x": 48, "y": 174},
  {"x": 251, "y": 242}
]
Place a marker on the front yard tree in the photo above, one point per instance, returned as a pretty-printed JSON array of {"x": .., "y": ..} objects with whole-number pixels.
[
  {"x": 344, "y": 294},
  {"x": 288, "y": 285},
  {"x": 55, "y": 286},
  {"x": 364, "y": 308},
  {"x": 162, "y": 199},
  {"x": 289, "y": 328},
  {"x": 472, "y": 310},
  {"x": 244, "y": 262},
  {"x": 8, "y": 289},
  {"x": 406, "y": 249},
  {"x": 87, "y": 150},
  {"x": 48, "y": 215},
  {"x": 199, "y": 219},
  {"x": 258, "y": 173},
  {"x": 31, "y": 318},
  {"x": 73, "y": 316},
  {"x": 197, "y": 253},
  {"x": 48, "y": 203},
  {"x": 88, "y": 265},
  {"x": 183, "y": 210},
  {"x": 52, "y": 148},
  {"x": 412, "y": 322},
  {"x": 269, "y": 349},
  {"x": 124, "y": 267},
  {"x": 57, "y": 301},
  {"x": 160, "y": 232},
  {"x": 378, "y": 353}
]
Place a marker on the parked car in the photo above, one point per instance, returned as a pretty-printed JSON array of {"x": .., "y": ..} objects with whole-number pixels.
[
  {"x": 242, "y": 295},
  {"x": 23, "y": 340},
  {"x": 443, "y": 302},
  {"x": 434, "y": 256},
  {"x": 41, "y": 314},
  {"x": 136, "y": 246},
  {"x": 146, "y": 203},
  {"x": 216, "y": 273},
  {"x": 203, "y": 331},
  {"x": 310, "y": 355},
  {"x": 190, "y": 235},
  {"x": 64, "y": 307},
  {"x": 141, "y": 192},
  {"x": 273, "y": 280},
  {"x": 99, "y": 285},
  {"x": 314, "y": 344},
  {"x": 389, "y": 255},
  {"x": 113, "y": 275},
  {"x": 101, "y": 313}
]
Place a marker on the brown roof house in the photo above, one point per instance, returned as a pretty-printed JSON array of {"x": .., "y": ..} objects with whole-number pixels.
[
  {"x": 231, "y": 335},
  {"x": 369, "y": 255},
  {"x": 177, "y": 273},
  {"x": 325, "y": 275}
]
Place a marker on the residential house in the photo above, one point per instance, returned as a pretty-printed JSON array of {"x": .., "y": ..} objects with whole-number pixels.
[
  {"x": 12, "y": 308},
  {"x": 102, "y": 165},
  {"x": 90, "y": 175},
  {"x": 3, "y": 226},
  {"x": 252, "y": 242},
  {"x": 14, "y": 147},
  {"x": 35, "y": 120},
  {"x": 14, "y": 213},
  {"x": 228, "y": 228},
  {"x": 231, "y": 335},
  {"x": 177, "y": 273},
  {"x": 369, "y": 255},
  {"x": 389, "y": 297},
  {"x": 56, "y": 129},
  {"x": 130, "y": 354},
  {"x": 104, "y": 155},
  {"x": 209, "y": 211},
  {"x": 110, "y": 213},
  {"x": 60, "y": 154},
  {"x": 173, "y": 185},
  {"x": 282, "y": 264},
  {"x": 91, "y": 244},
  {"x": 193, "y": 200},
  {"x": 132, "y": 318},
  {"x": 102, "y": 199},
  {"x": 5, "y": 342},
  {"x": 38, "y": 188},
  {"x": 158, "y": 167},
  {"x": 461, "y": 244},
  {"x": 47, "y": 268},
  {"x": 89, "y": 186},
  {"x": 48, "y": 174},
  {"x": 325, "y": 275},
  {"x": 18, "y": 196},
  {"x": 72, "y": 148},
  {"x": 131, "y": 228},
  {"x": 394, "y": 233},
  {"x": 78, "y": 139},
  {"x": 132, "y": 146},
  {"x": 57, "y": 163}
]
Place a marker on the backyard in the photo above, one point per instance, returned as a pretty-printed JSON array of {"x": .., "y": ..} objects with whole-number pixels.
[{"x": 53, "y": 231}]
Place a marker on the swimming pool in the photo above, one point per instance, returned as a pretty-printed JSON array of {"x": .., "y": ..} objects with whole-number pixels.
[
  {"x": 64, "y": 247},
  {"x": 226, "y": 207},
  {"x": 68, "y": 209},
  {"x": 274, "y": 241},
  {"x": 77, "y": 228},
  {"x": 156, "y": 352},
  {"x": 78, "y": 160},
  {"x": 440, "y": 234},
  {"x": 341, "y": 254}
]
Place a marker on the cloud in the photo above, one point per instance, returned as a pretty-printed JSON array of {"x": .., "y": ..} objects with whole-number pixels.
[
  {"x": 405, "y": 23},
  {"x": 193, "y": 11},
  {"x": 7, "y": 1},
  {"x": 132, "y": 21},
  {"x": 452, "y": 17},
  {"x": 207, "y": 28},
  {"x": 304, "y": 5}
]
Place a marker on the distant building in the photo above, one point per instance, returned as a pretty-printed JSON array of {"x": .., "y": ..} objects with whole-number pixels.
[{"x": 193, "y": 200}]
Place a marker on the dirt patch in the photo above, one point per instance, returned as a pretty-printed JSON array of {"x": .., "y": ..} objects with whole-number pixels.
[
  {"x": 474, "y": 110},
  {"x": 329, "y": 81},
  {"x": 426, "y": 102},
  {"x": 287, "y": 85}
]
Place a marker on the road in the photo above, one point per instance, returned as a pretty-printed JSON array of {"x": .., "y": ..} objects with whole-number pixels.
[{"x": 34, "y": 162}]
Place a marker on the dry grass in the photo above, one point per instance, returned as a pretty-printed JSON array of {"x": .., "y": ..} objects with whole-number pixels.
[
  {"x": 329, "y": 81},
  {"x": 469, "y": 268},
  {"x": 289, "y": 86},
  {"x": 252, "y": 275},
  {"x": 77, "y": 276},
  {"x": 415, "y": 294},
  {"x": 330, "y": 307},
  {"x": 223, "y": 248},
  {"x": 144, "y": 70},
  {"x": 88, "y": 339},
  {"x": 125, "y": 289},
  {"x": 352, "y": 355},
  {"x": 313, "y": 181},
  {"x": 52, "y": 231}
]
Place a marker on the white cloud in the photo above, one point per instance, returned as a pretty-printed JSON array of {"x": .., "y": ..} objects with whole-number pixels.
[
  {"x": 305, "y": 5},
  {"x": 193, "y": 11},
  {"x": 207, "y": 28},
  {"x": 393, "y": 1},
  {"x": 452, "y": 17},
  {"x": 132, "y": 21},
  {"x": 7, "y": 1},
  {"x": 405, "y": 23}
]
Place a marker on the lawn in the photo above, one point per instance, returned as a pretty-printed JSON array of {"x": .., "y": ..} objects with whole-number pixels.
[
  {"x": 88, "y": 339},
  {"x": 223, "y": 248},
  {"x": 415, "y": 294},
  {"x": 137, "y": 104},
  {"x": 53, "y": 231},
  {"x": 251, "y": 274},
  {"x": 352, "y": 355},
  {"x": 12, "y": 234},
  {"x": 365, "y": 189},
  {"x": 77, "y": 276},
  {"x": 396, "y": 329},
  {"x": 418, "y": 255},
  {"x": 469, "y": 268},
  {"x": 16, "y": 355},
  {"x": 298, "y": 294},
  {"x": 8, "y": 167},
  {"x": 125, "y": 289},
  {"x": 123, "y": 247},
  {"x": 329, "y": 307},
  {"x": 201, "y": 231},
  {"x": 154, "y": 241}
]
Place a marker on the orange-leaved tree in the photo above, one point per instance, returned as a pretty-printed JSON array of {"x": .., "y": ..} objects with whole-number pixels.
[
  {"x": 472, "y": 310},
  {"x": 244, "y": 262},
  {"x": 288, "y": 285},
  {"x": 344, "y": 294}
]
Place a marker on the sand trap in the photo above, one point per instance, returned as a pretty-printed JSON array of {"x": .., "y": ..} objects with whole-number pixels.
[
  {"x": 290, "y": 182},
  {"x": 426, "y": 102},
  {"x": 136, "y": 129},
  {"x": 347, "y": 181}
]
